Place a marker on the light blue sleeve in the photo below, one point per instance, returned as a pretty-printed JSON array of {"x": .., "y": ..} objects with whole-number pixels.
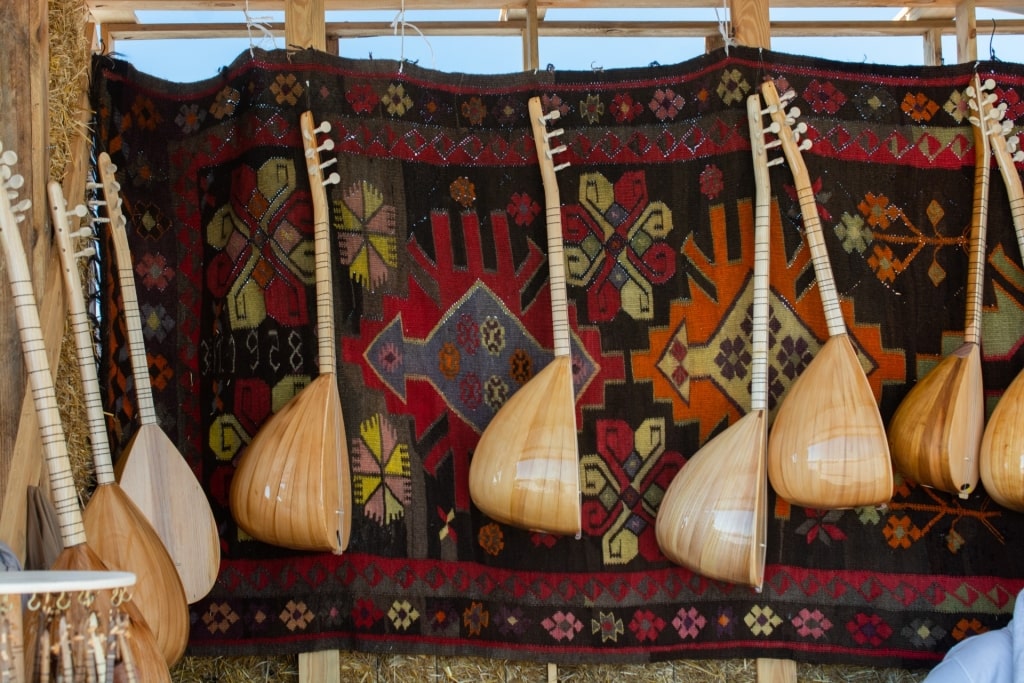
[{"x": 991, "y": 657}]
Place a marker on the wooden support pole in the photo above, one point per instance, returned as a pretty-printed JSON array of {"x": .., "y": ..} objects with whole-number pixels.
[
  {"x": 305, "y": 24},
  {"x": 933, "y": 48},
  {"x": 750, "y": 22},
  {"x": 966, "y": 32},
  {"x": 751, "y": 27},
  {"x": 531, "y": 38},
  {"x": 305, "y": 27}
]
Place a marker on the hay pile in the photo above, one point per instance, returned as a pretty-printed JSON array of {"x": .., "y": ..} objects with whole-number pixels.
[
  {"x": 357, "y": 667},
  {"x": 69, "y": 64}
]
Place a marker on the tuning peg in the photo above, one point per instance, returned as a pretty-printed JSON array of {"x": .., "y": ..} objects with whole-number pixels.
[
  {"x": 324, "y": 127},
  {"x": 91, "y": 185},
  {"x": 9, "y": 158},
  {"x": 552, "y": 115},
  {"x": 805, "y": 144},
  {"x": 15, "y": 182},
  {"x": 86, "y": 231},
  {"x": 20, "y": 208},
  {"x": 79, "y": 211},
  {"x": 332, "y": 179},
  {"x": 85, "y": 253}
]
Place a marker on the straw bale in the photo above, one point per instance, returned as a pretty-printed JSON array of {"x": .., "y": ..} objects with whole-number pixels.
[
  {"x": 238, "y": 670},
  {"x": 362, "y": 667}
]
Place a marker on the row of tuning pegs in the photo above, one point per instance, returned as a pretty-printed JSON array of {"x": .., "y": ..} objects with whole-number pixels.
[
  {"x": 326, "y": 146},
  {"x": 11, "y": 182},
  {"x": 798, "y": 129},
  {"x": 553, "y": 115}
]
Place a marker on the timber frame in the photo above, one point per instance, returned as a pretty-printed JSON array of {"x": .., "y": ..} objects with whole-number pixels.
[{"x": 24, "y": 57}]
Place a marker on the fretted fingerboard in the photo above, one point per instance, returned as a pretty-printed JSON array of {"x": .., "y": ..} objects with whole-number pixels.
[
  {"x": 1011, "y": 178},
  {"x": 129, "y": 297},
  {"x": 979, "y": 219},
  {"x": 556, "y": 248},
  {"x": 62, "y": 484},
  {"x": 762, "y": 225},
  {"x": 81, "y": 329},
  {"x": 321, "y": 246},
  {"x": 809, "y": 213}
]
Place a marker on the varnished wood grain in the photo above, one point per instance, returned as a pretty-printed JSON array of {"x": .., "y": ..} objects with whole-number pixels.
[
  {"x": 76, "y": 554},
  {"x": 525, "y": 469},
  {"x": 1001, "y": 459},
  {"x": 151, "y": 469},
  {"x": 935, "y": 434},
  {"x": 827, "y": 448},
  {"x": 292, "y": 483},
  {"x": 712, "y": 518},
  {"x": 118, "y": 531}
]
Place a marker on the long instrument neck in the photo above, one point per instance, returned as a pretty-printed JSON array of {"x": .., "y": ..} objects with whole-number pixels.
[
  {"x": 1011, "y": 178},
  {"x": 809, "y": 212},
  {"x": 322, "y": 248},
  {"x": 979, "y": 220},
  {"x": 762, "y": 225},
  {"x": 62, "y": 484},
  {"x": 82, "y": 332},
  {"x": 556, "y": 247},
  {"x": 129, "y": 298}
]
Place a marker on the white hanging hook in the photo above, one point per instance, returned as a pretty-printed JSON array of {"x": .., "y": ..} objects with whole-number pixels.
[{"x": 399, "y": 23}]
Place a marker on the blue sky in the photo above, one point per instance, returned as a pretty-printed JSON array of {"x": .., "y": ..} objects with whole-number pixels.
[{"x": 196, "y": 59}]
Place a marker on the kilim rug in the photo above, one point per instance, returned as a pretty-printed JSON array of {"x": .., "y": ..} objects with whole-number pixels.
[{"x": 443, "y": 312}]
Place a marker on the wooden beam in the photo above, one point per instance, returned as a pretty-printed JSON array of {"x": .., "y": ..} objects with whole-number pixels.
[
  {"x": 596, "y": 29},
  {"x": 101, "y": 7},
  {"x": 931, "y": 37}
]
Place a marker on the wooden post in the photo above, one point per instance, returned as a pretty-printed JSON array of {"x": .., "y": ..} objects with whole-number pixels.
[
  {"x": 305, "y": 26},
  {"x": 966, "y": 32},
  {"x": 751, "y": 27},
  {"x": 750, "y": 22},
  {"x": 933, "y": 47},
  {"x": 531, "y": 38},
  {"x": 24, "y": 76}
]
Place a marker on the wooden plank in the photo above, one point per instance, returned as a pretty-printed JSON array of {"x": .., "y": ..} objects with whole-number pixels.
[
  {"x": 639, "y": 29},
  {"x": 101, "y": 8},
  {"x": 966, "y": 32},
  {"x": 776, "y": 670},
  {"x": 304, "y": 23},
  {"x": 24, "y": 74},
  {"x": 320, "y": 667}
]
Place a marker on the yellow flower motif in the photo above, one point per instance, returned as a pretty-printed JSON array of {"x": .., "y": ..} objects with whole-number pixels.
[
  {"x": 396, "y": 101},
  {"x": 287, "y": 89}
]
